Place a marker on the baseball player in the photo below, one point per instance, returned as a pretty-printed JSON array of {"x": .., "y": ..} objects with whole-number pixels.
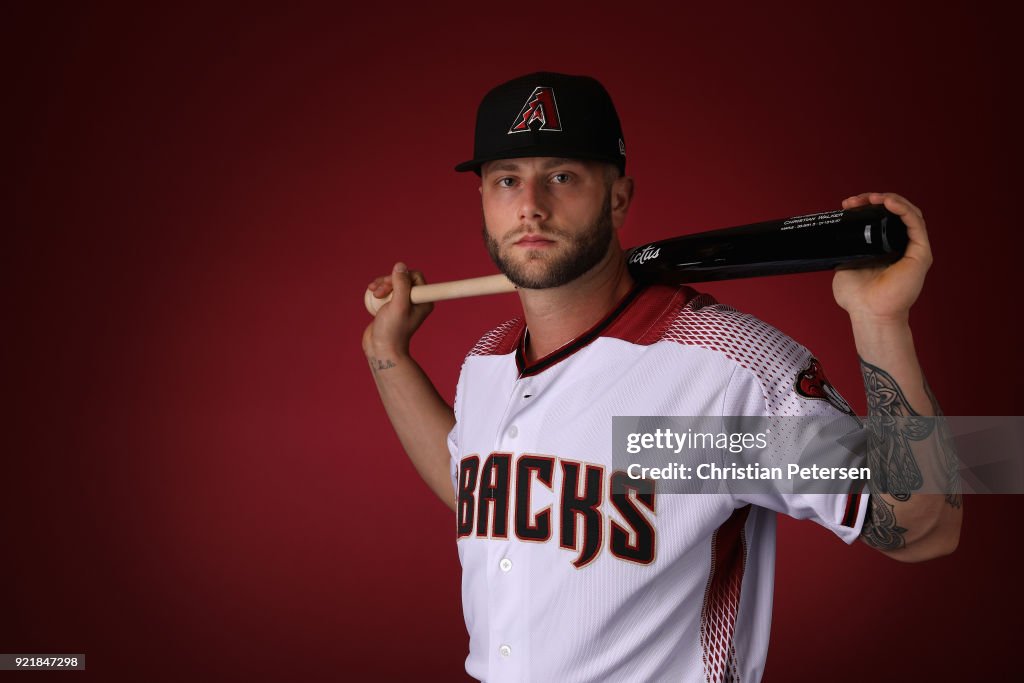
[{"x": 573, "y": 571}]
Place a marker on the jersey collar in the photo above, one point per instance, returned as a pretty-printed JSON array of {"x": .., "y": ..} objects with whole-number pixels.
[{"x": 563, "y": 352}]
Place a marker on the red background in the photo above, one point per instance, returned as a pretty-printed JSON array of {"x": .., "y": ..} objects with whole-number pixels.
[{"x": 199, "y": 481}]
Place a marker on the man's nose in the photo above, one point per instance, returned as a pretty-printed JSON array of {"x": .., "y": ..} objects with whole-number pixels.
[{"x": 533, "y": 201}]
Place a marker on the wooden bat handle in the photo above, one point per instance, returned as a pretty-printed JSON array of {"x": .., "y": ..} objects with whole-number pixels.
[{"x": 457, "y": 289}]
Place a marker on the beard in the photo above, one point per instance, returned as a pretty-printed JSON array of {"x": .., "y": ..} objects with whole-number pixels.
[{"x": 585, "y": 249}]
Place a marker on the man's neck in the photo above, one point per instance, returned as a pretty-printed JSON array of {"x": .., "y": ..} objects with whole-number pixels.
[{"x": 558, "y": 315}]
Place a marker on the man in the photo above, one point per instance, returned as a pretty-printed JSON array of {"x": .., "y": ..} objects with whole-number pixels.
[{"x": 571, "y": 572}]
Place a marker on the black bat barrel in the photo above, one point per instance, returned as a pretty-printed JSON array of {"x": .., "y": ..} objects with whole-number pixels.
[{"x": 845, "y": 238}]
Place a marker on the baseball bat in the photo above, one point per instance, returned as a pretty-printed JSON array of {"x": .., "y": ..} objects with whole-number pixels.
[{"x": 845, "y": 238}]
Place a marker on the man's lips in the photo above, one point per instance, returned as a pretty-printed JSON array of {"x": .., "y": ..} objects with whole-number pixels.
[{"x": 534, "y": 241}]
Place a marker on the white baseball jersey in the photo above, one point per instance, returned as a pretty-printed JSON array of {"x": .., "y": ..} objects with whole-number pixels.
[{"x": 563, "y": 581}]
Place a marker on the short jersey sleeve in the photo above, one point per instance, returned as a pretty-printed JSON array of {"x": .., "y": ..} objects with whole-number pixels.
[
  {"x": 798, "y": 389},
  {"x": 453, "y": 436},
  {"x": 453, "y": 462}
]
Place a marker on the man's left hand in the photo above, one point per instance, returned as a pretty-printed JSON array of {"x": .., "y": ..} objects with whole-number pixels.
[{"x": 884, "y": 294}]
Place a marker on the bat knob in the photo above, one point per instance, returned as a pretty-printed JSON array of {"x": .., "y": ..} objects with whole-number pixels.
[{"x": 373, "y": 304}]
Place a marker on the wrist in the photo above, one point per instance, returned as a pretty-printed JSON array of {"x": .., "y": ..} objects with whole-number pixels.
[
  {"x": 881, "y": 339},
  {"x": 385, "y": 351},
  {"x": 898, "y": 322}
]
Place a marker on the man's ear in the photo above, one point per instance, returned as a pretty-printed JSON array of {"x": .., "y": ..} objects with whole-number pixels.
[{"x": 621, "y": 199}]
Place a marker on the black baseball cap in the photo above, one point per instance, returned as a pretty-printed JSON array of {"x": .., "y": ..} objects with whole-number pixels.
[{"x": 547, "y": 114}]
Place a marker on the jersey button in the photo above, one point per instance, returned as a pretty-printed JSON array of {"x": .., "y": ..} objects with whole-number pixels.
[
  {"x": 505, "y": 651},
  {"x": 505, "y": 564},
  {"x": 513, "y": 432}
]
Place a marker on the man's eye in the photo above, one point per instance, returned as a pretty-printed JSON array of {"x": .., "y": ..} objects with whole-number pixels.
[
  {"x": 561, "y": 178},
  {"x": 506, "y": 182}
]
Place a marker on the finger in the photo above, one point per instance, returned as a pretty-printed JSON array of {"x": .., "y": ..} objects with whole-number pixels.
[
  {"x": 381, "y": 287},
  {"x": 417, "y": 278},
  {"x": 856, "y": 200},
  {"x": 401, "y": 281},
  {"x": 892, "y": 201},
  {"x": 897, "y": 204},
  {"x": 918, "y": 246}
]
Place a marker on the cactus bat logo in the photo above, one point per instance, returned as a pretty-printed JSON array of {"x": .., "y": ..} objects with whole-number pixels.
[
  {"x": 540, "y": 106},
  {"x": 644, "y": 255}
]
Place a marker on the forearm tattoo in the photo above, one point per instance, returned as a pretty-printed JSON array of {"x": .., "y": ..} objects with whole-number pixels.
[
  {"x": 950, "y": 461},
  {"x": 892, "y": 464},
  {"x": 381, "y": 364},
  {"x": 893, "y": 426}
]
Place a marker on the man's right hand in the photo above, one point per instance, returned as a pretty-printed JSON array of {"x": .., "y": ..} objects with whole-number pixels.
[
  {"x": 389, "y": 333},
  {"x": 421, "y": 417}
]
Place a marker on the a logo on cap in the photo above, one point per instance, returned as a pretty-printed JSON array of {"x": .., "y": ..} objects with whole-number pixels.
[{"x": 540, "y": 106}]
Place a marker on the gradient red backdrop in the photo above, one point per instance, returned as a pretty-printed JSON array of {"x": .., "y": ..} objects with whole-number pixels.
[{"x": 199, "y": 482}]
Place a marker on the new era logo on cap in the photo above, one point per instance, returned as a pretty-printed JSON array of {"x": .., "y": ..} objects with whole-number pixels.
[{"x": 540, "y": 106}]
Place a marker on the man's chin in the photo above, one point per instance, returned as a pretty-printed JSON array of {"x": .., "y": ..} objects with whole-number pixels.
[
  {"x": 537, "y": 275},
  {"x": 530, "y": 281}
]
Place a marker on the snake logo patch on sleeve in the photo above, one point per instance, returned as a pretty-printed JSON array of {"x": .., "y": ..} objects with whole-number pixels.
[{"x": 811, "y": 382}]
